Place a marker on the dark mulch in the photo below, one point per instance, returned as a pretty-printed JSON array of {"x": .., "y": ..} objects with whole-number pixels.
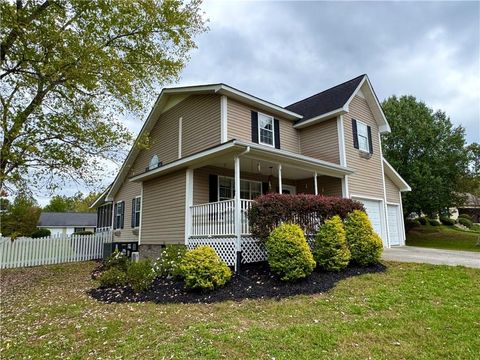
[{"x": 255, "y": 282}]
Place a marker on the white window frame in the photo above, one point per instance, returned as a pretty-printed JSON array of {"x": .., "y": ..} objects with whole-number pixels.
[
  {"x": 232, "y": 183},
  {"x": 260, "y": 128},
  {"x": 139, "y": 205},
  {"x": 360, "y": 124}
]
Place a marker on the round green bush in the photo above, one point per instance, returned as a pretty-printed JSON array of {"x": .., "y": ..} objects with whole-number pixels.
[
  {"x": 288, "y": 253},
  {"x": 331, "y": 250},
  {"x": 39, "y": 233},
  {"x": 202, "y": 269},
  {"x": 140, "y": 275},
  {"x": 465, "y": 222},
  {"x": 365, "y": 245},
  {"x": 113, "y": 277},
  {"x": 83, "y": 233},
  {"x": 465, "y": 216},
  {"x": 117, "y": 260},
  {"x": 422, "y": 220},
  {"x": 447, "y": 221},
  {"x": 434, "y": 222}
]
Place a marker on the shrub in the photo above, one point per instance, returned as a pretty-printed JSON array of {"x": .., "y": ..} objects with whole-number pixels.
[
  {"x": 83, "y": 233},
  {"x": 331, "y": 250},
  {"x": 434, "y": 222},
  {"x": 168, "y": 264},
  {"x": 465, "y": 222},
  {"x": 117, "y": 260},
  {"x": 288, "y": 253},
  {"x": 39, "y": 233},
  {"x": 112, "y": 277},
  {"x": 203, "y": 269},
  {"x": 271, "y": 210},
  {"x": 422, "y": 220},
  {"x": 140, "y": 275},
  {"x": 465, "y": 216},
  {"x": 447, "y": 221},
  {"x": 365, "y": 245},
  {"x": 411, "y": 223}
]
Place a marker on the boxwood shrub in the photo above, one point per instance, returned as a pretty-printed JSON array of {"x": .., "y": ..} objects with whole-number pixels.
[
  {"x": 465, "y": 216},
  {"x": 112, "y": 277},
  {"x": 434, "y": 222},
  {"x": 202, "y": 269},
  {"x": 447, "y": 221},
  {"x": 39, "y": 233},
  {"x": 288, "y": 253},
  {"x": 140, "y": 275},
  {"x": 364, "y": 243},
  {"x": 465, "y": 222},
  {"x": 308, "y": 211},
  {"x": 331, "y": 251},
  {"x": 117, "y": 260}
]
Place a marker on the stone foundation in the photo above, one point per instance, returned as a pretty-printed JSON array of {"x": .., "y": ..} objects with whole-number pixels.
[{"x": 150, "y": 251}]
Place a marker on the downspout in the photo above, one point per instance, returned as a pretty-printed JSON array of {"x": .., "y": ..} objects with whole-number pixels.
[{"x": 238, "y": 215}]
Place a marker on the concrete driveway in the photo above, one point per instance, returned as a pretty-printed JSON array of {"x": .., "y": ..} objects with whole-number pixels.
[{"x": 432, "y": 256}]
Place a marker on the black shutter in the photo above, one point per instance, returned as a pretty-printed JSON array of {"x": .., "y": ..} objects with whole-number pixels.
[
  {"x": 213, "y": 188},
  {"x": 122, "y": 217},
  {"x": 369, "y": 129},
  {"x": 355, "y": 134},
  {"x": 115, "y": 210},
  {"x": 265, "y": 188},
  {"x": 132, "y": 222},
  {"x": 276, "y": 130},
  {"x": 255, "y": 127}
]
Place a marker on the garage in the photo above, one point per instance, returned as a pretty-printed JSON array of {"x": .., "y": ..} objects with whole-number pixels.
[
  {"x": 374, "y": 212},
  {"x": 394, "y": 226}
]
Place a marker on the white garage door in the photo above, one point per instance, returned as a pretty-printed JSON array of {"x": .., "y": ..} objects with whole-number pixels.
[
  {"x": 373, "y": 209},
  {"x": 394, "y": 224}
]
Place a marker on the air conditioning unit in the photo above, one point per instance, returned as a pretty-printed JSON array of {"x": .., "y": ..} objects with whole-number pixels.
[{"x": 135, "y": 256}]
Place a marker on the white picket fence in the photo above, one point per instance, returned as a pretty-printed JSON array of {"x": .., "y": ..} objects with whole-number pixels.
[{"x": 56, "y": 249}]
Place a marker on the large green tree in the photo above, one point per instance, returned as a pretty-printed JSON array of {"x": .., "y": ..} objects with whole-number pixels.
[
  {"x": 75, "y": 203},
  {"x": 69, "y": 68},
  {"x": 428, "y": 151},
  {"x": 20, "y": 217}
]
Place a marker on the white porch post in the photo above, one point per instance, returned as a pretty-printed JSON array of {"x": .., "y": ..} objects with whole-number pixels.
[
  {"x": 188, "y": 203},
  {"x": 280, "y": 190},
  {"x": 315, "y": 184},
  {"x": 238, "y": 219}
]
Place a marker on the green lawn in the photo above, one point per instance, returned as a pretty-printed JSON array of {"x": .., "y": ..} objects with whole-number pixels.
[
  {"x": 443, "y": 237},
  {"x": 411, "y": 311}
]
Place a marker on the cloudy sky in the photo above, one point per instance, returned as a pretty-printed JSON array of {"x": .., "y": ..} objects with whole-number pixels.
[{"x": 286, "y": 51}]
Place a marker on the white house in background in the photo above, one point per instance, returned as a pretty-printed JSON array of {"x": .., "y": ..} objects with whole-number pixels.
[{"x": 67, "y": 223}]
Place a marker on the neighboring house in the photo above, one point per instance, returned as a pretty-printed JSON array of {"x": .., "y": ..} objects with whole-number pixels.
[
  {"x": 211, "y": 142},
  {"x": 67, "y": 223},
  {"x": 470, "y": 206}
]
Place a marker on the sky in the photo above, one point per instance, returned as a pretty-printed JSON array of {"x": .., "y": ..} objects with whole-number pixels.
[{"x": 285, "y": 51}]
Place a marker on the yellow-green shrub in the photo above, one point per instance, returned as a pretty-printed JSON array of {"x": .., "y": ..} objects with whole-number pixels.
[
  {"x": 140, "y": 275},
  {"x": 288, "y": 253},
  {"x": 365, "y": 245},
  {"x": 112, "y": 277},
  {"x": 203, "y": 269},
  {"x": 331, "y": 251}
]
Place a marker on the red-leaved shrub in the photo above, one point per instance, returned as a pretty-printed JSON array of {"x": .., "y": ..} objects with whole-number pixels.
[{"x": 308, "y": 211}]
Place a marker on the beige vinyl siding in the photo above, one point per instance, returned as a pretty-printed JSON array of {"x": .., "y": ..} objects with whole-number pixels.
[
  {"x": 127, "y": 192},
  {"x": 327, "y": 185},
  {"x": 240, "y": 126},
  {"x": 367, "y": 178},
  {"x": 163, "y": 217},
  {"x": 320, "y": 141},
  {"x": 392, "y": 191},
  {"x": 200, "y": 129}
]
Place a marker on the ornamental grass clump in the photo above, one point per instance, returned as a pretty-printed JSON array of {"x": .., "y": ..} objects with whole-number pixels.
[
  {"x": 288, "y": 253},
  {"x": 331, "y": 251},
  {"x": 363, "y": 242},
  {"x": 202, "y": 269}
]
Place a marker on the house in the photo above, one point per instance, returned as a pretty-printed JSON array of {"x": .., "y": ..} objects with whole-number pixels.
[
  {"x": 67, "y": 223},
  {"x": 209, "y": 143},
  {"x": 470, "y": 206}
]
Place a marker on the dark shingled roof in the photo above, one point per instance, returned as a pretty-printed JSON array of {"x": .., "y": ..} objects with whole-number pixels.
[
  {"x": 67, "y": 219},
  {"x": 325, "y": 101}
]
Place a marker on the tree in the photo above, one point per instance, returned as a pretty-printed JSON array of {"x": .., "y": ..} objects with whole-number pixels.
[
  {"x": 20, "y": 217},
  {"x": 470, "y": 182},
  {"x": 75, "y": 203},
  {"x": 69, "y": 68},
  {"x": 427, "y": 151}
]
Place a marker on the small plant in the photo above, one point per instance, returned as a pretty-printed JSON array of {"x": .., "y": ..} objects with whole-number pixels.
[
  {"x": 465, "y": 222},
  {"x": 39, "y": 233},
  {"x": 168, "y": 264},
  {"x": 289, "y": 255},
  {"x": 112, "y": 277},
  {"x": 365, "y": 245},
  {"x": 140, "y": 275},
  {"x": 434, "y": 222},
  {"x": 203, "y": 269},
  {"x": 447, "y": 221},
  {"x": 422, "y": 220},
  {"x": 117, "y": 260},
  {"x": 331, "y": 250}
]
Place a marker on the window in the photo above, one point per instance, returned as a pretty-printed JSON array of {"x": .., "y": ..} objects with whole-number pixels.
[
  {"x": 78, "y": 229},
  {"x": 265, "y": 129},
  {"x": 153, "y": 163},
  {"x": 136, "y": 206},
  {"x": 248, "y": 189},
  {"x": 104, "y": 216},
  {"x": 119, "y": 214},
  {"x": 362, "y": 134}
]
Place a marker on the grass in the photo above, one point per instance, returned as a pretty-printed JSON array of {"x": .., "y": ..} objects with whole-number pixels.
[
  {"x": 412, "y": 311},
  {"x": 443, "y": 237}
]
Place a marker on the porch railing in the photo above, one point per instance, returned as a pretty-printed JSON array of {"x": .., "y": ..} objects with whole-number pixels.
[{"x": 218, "y": 218}]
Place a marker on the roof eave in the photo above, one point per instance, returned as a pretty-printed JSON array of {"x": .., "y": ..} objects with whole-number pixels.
[
  {"x": 396, "y": 177},
  {"x": 320, "y": 118}
]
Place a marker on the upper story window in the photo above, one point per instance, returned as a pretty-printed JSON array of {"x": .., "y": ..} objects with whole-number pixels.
[
  {"x": 248, "y": 189},
  {"x": 265, "y": 129},
  {"x": 362, "y": 134}
]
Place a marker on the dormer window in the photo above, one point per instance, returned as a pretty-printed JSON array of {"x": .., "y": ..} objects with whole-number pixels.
[{"x": 265, "y": 129}]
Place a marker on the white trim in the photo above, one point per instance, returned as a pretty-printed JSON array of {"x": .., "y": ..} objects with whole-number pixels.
[
  {"x": 366, "y": 197},
  {"x": 345, "y": 193},
  {"x": 188, "y": 202},
  {"x": 141, "y": 211},
  {"x": 180, "y": 136},
  {"x": 341, "y": 141},
  {"x": 395, "y": 176},
  {"x": 238, "y": 218},
  {"x": 404, "y": 234},
  {"x": 315, "y": 183},
  {"x": 223, "y": 119},
  {"x": 320, "y": 118},
  {"x": 384, "y": 190},
  {"x": 393, "y": 203},
  {"x": 259, "y": 128},
  {"x": 280, "y": 185}
]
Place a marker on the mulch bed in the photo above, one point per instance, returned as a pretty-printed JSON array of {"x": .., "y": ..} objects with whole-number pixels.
[{"x": 254, "y": 282}]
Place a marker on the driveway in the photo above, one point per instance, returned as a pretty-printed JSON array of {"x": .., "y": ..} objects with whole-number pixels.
[{"x": 432, "y": 256}]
